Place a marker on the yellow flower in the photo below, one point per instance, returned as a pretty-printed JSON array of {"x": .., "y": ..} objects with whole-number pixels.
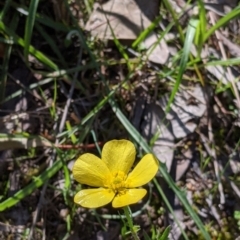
[{"x": 111, "y": 175}]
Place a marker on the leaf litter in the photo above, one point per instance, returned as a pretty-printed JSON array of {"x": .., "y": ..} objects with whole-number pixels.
[{"x": 196, "y": 138}]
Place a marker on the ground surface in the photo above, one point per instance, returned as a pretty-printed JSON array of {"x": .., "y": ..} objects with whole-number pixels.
[{"x": 70, "y": 92}]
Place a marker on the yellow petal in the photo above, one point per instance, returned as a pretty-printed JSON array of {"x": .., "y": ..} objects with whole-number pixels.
[
  {"x": 90, "y": 170},
  {"x": 130, "y": 197},
  {"x": 143, "y": 173},
  {"x": 94, "y": 198},
  {"x": 119, "y": 155}
]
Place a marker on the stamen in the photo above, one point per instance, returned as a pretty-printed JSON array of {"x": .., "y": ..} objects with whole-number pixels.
[{"x": 117, "y": 182}]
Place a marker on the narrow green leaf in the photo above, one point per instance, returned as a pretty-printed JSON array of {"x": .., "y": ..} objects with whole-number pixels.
[
  {"x": 36, "y": 183},
  {"x": 146, "y": 32},
  {"x": 43, "y": 19},
  {"x": 72, "y": 136},
  {"x": 185, "y": 55},
  {"x": 17, "y": 40},
  {"x": 3, "y": 74},
  {"x": 29, "y": 26},
  {"x": 201, "y": 27},
  {"x": 165, "y": 233},
  {"x": 227, "y": 62},
  {"x": 52, "y": 44},
  {"x": 175, "y": 18},
  {"x": 6, "y": 6},
  {"x": 222, "y": 21}
]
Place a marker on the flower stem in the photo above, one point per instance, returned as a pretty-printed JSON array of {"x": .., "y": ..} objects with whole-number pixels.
[{"x": 128, "y": 214}]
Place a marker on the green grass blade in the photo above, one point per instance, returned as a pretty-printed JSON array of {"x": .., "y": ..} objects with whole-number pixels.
[
  {"x": 3, "y": 74},
  {"x": 6, "y": 6},
  {"x": 51, "y": 43},
  {"x": 175, "y": 18},
  {"x": 29, "y": 26},
  {"x": 228, "y": 62},
  {"x": 88, "y": 5},
  {"x": 17, "y": 40},
  {"x": 146, "y": 32},
  {"x": 201, "y": 27},
  {"x": 169, "y": 207},
  {"x": 36, "y": 183},
  {"x": 119, "y": 46},
  {"x": 43, "y": 19},
  {"x": 165, "y": 234},
  {"x": 184, "y": 60},
  {"x": 222, "y": 21}
]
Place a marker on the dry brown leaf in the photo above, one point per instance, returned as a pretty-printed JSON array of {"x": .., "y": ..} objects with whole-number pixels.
[
  {"x": 127, "y": 18},
  {"x": 160, "y": 53},
  {"x": 155, "y": 122},
  {"x": 188, "y": 105}
]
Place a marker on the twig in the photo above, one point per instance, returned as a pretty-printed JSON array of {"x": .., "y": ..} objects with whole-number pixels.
[{"x": 8, "y": 141}]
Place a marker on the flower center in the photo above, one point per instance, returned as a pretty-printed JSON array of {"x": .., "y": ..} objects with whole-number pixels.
[{"x": 117, "y": 182}]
